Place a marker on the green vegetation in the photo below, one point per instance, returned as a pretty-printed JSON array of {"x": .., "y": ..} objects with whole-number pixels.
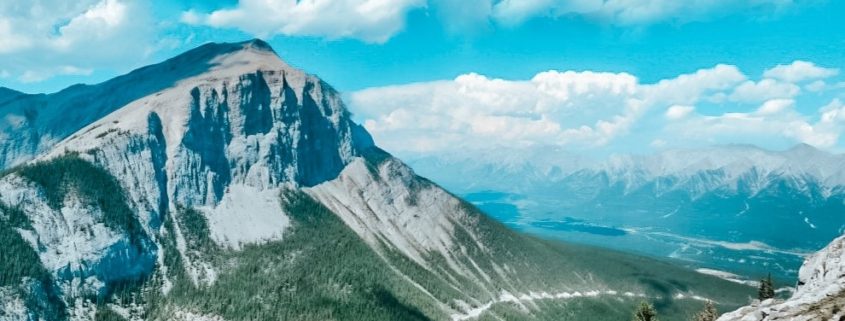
[
  {"x": 320, "y": 271},
  {"x": 64, "y": 175},
  {"x": 104, "y": 313},
  {"x": 17, "y": 259},
  {"x": 556, "y": 266},
  {"x": 767, "y": 288},
  {"x": 645, "y": 312},
  {"x": 194, "y": 228},
  {"x": 59, "y": 178},
  {"x": 13, "y": 216},
  {"x": 21, "y": 268},
  {"x": 709, "y": 313}
]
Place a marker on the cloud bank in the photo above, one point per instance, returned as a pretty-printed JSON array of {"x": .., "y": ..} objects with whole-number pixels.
[
  {"x": 368, "y": 20},
  {"x": 630, "y": 12},
  {"x": 376, "y": 21},
  {"x": 591, "y": 110},
  {"x": 43, "y": 38}
]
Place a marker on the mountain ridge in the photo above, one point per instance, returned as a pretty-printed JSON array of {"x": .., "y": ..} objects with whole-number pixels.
[
  {"x": 42, "y": 120},
  {"x": 249, "y": 183}
]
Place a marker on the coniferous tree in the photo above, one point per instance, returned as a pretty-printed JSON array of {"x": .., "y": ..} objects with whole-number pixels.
[
  {"x": 708, "y": 314},
  {"x": 767, "y": 288},
  {"x": 645, "y": 312}
]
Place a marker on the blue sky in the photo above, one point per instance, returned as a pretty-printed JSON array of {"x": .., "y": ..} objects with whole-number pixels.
[{"x": 428, "y": 53}]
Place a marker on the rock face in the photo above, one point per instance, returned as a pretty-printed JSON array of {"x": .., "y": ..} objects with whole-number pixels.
[
  {"x": 820, "y": 294},
  {"x": 224, "y": 184},
  {"x": 33, "y": 124},
  {"x": 250, "y": 119},
  {"x": 221, "y": 118}
]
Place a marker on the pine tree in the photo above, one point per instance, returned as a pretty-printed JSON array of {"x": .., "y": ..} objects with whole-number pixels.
[
  {"x": 767, "y": 288},
  {"x": 708, "y": 314},
  {"x": 645, "y": 312}
]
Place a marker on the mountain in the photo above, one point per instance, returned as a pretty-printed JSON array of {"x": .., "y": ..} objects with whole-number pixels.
[
  {"x": 525, "y": 168},
  {"x": 7, "y": 94},
  {"x": 702, "y": 205},
  {"x": 36, "y": 123},
  {"x": 820, "y": 294},
  {"x": 224, "y": 184}
]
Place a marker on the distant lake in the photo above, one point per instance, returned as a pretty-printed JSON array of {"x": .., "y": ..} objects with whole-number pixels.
[{"x": 574, "y": 225}]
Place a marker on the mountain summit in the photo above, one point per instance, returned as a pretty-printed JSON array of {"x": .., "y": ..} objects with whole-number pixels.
[
  {"x": 223, "y": 184},
  {"x": 33, "y": 124}
]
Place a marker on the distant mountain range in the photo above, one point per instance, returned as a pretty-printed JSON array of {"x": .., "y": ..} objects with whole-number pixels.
[
  {"x": 224, "y": 184},
  {"x": 735, "y": 197}
]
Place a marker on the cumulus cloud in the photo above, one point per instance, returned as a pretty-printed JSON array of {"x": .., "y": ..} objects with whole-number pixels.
[
  {"x": 690, "y": 88},
  {"x": 473, "y": 109},
  {"x": 368, "y": 20},
  {"x": 630, "y": 12},
  {"x": 376, "y": 21},
  {"x": 799, "y": 71},
  {"x": 553, "y": 107},
  {"x": 676, "y": 112},
  {"x": 43, "y": 38},
  {"x": 593, "y": 110},
  {"x": 757, "y": 91},
  {"x": 774, "y": 118}
]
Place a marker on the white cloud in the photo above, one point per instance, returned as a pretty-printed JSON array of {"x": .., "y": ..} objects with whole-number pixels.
[
  {"x": 751, "y": 91},
  {"x": 775, "y": 106},
  {"x": 816, "y": 86},
  {"x": 595, "y": 110},
  {"x": 474, "y": 110},
  {"x": 571, "y": 108},
  {"x": 11, "y": 41},
  {"x": 676, "y": 112},
  {"x": 688, "y": 89},
  {"x": 799, "y": 71},
  {"x": 774, "y": 119},
  {"x": 368, "y": 20},
  {"x": 630, "y": 12},
  {"x": 31, "y": 76},
  {"x": 43, "y": 38},
  {"x": 377, "y": 21}
]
